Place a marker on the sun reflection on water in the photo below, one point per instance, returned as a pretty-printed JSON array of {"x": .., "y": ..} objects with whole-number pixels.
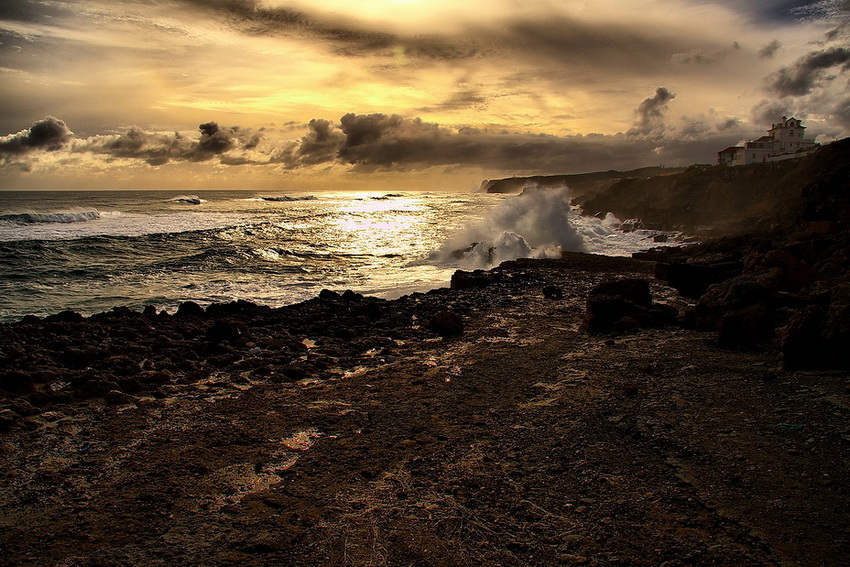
[{"x": 382, "y": 226}]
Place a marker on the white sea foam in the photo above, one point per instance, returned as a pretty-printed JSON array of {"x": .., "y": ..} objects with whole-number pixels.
[
  {"x": 187, "y": 200},
  {"x": 62, "y": 217},
  {"x": 539, "y": 223}
]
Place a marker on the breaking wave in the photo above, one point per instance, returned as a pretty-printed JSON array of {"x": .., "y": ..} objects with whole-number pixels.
[
  {"x": 540, "y": 223},
  {"x": 187, "y": 200},
  {"x": 63, "y": 217},
  {"x": 286, "y": 198},
  {"x": 535, "y": 224}
]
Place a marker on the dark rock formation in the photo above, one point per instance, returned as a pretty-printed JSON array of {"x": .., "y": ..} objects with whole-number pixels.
[
  {"x": 624, "y": 305},
  {"x": 582, "y": 185}
]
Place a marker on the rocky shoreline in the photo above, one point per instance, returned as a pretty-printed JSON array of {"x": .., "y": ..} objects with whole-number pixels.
[{"x": 482, "y": 424}]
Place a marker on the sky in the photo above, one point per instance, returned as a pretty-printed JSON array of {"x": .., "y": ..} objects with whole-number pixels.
[{"x": 401, "y": 94}]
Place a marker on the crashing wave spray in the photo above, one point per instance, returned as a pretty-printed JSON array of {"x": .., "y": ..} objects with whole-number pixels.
[{"x": 536, "y": 224}]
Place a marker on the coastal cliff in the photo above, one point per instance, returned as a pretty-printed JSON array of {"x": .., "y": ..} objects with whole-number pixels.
[
  {"x": 581, "y": 184},
  {"x": 735, "y": 200}
]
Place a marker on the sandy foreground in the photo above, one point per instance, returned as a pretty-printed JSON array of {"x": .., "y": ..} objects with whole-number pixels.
[{"x": 524, "y": 441}]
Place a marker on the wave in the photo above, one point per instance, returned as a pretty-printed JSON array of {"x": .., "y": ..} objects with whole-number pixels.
[
  {"x": 187, "y": 200},
  {"x": 541, "y": 223},
  {"x": 535, "y": 224},
  {"x": 285, "y": 198},
  {"x": 63, "y": 217}
]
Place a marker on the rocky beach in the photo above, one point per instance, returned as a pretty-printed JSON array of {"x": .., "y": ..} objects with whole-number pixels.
[
  {"x": 686, "y": 406},
  {"x": 483, "y": 425}
]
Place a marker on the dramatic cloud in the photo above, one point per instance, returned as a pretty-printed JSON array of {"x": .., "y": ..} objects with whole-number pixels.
[
  {"x": 650, "y": 114},
  {"x": 841, "y": 113},
  {"x": 805, "y": 74},
  {"x": 320, "y": 145},
  {"x": 160, "y": 148},
  {"x": 383, "y": 142},
  {"x": 531, "y": 86},
  {"x": 767, "y": 111},
  {"x": 49, "y": 134}
]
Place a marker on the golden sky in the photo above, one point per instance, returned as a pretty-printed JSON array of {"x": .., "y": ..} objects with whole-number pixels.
[{"x": 401, "y": 93}]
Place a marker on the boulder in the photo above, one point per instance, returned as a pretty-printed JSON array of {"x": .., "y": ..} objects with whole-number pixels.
[
  {"x": 619, "y": 305},
  {"x": 477, "y": 279},
  {"x": 446, "y": 324},
  {"x": 746, "y": 297},
  {"x": 190, "y": 309},
  {"x": 328, "y": 295}
]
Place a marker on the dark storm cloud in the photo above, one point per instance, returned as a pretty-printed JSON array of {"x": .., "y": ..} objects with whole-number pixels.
[
  {"x": 382, "y": 142},
  {"x": 567, "y": 40},
  {"x": 805, "y": 74},
  {"x": 33, "y": 11},
  {"x": 320, "y": 145},
  {"x": 575, "y": 43},
  {"x": 157, "y": 148},
  {"x": 767, "y": 11},
  {"x": 385, "y": 142},
  {"x": 650, "y": 113},
  {"x": 767, "y": 111},
  {"x": 769, "y": 50},
  {"x": 254, "y": 18},
  {"x": 841, "y": 113},
  {"x": 47, "y": 134}
]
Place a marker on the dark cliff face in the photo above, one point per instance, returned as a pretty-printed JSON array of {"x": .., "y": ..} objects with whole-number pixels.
[
  {"x": 736, "y": 200},
  {"x": 582, "y": 185}
]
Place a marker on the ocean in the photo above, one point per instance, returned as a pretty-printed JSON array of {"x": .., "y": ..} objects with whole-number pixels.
[{"x": 89, "y": 251}]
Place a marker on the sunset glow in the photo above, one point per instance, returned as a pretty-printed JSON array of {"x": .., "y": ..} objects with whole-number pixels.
[{"x": 435, "y": 92}]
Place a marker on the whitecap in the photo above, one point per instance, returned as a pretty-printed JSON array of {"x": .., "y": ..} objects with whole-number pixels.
[
  {"x": 63, "y": 217},
  {"x": 187, "y": 200}
]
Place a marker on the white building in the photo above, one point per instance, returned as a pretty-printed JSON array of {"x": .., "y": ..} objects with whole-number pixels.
[{"x": 785, "y": 140}]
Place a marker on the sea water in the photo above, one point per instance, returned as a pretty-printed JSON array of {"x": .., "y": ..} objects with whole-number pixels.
[{"x": 91, "y": 250}]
